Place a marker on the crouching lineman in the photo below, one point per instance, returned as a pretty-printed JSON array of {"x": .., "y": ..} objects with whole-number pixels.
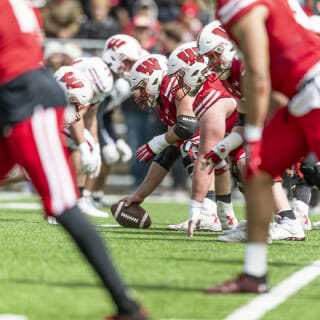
[
  {"x": 214, "y": 108},
  {"x": 153, "y": 88},
  {"x": 119, "y": 54},
  {"x": 32, "y": 108},
  {"x": 214, "y": 44}
]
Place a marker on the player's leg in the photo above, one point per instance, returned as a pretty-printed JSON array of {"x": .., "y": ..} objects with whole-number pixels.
[
  {"x": 41, "y": 152},
  {"x": 212, "y": 130},
  {"x": 6, "y": 161},
  {"x": 283, "y": 144}
]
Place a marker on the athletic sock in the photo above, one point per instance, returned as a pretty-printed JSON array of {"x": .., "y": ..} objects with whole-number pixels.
[
  {"x": 255, "y": 262},
  {"x": 91, "y": 245},
  {"x": 226, "y": 198},
  {"x": 262, "y": 279},
  {"x": 211, "y": 195},
  {"x": 81, "y": 191},
  {"x": 287, "y": 213}
]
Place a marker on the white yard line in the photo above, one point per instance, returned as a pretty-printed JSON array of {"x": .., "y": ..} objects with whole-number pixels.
[
  {"x": 12, "y": 317},
  {"x": 20, "y": 205},
  {"x": 259, "y": 306}
]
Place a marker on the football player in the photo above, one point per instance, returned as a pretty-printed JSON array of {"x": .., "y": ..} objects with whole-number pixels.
[
  {"x": 32, "y": 108},
  {"x": 262, "y": 30},
  {"x": 212, "y": 104},
  {"x": 214, "y": 44},
  {"x": 119, "y": 54},
  {"x": 153, "y": 88}
]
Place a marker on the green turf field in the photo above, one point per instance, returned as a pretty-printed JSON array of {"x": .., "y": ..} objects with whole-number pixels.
[{"x": 43, "y": 277}]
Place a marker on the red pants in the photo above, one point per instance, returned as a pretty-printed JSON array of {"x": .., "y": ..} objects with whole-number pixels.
[
  {"x": 36, "y": 145},
  {"x": 286, "y": 139}
]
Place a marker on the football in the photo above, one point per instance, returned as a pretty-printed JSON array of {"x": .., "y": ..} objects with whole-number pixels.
[{"x": 133, "y": 216}]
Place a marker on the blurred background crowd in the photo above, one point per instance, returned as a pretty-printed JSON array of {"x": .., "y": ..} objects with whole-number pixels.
[{"x": 75, "y": 28}]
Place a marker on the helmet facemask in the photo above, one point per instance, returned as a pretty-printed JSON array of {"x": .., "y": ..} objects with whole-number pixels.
[
  {"x": 181, "y": 89},
  {"x": 145, "y": 100},
  {"x": 220, "y": 60}
]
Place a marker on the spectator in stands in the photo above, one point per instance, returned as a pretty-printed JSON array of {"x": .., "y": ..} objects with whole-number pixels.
[
  {"x": 168, "y": 10},
  {"x": 102, "y": 24},
  {"x": 170, "y": 37},
  {"x": 143, "y": 33},
  {"x": 61, "y": 18},
  {"x": 189, "y": 20},
  {"x": 53, "y": 54}
]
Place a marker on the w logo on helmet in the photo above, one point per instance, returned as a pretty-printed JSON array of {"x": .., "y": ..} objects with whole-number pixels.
[
  {"x": 148, "y": 66},
  {"x": 220, "y": 32},
  {"x": 189, "y": 56},
  {"x": 115, "y": 43},
  {"x": 71, "y": 81}
]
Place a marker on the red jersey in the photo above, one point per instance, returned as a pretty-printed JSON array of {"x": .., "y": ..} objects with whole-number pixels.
[
  {"x": 167, "y": 109},
  {"x": 294, "y": 49},
  {"x": 210, "y": 92},
  {"x": 20, "y": 39},
  {"x": 232, "y": 83}
]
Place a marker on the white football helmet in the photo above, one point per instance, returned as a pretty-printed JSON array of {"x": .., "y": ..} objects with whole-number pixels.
[
  {"x": 120, "y": 52},
  {"x": 214, "y": 43},
  {"x": 184, "y": 63},
  {"x": 76, "y": 85},
  {"x": 146, "y": 76},
  {"x": 99, "y": 75}
]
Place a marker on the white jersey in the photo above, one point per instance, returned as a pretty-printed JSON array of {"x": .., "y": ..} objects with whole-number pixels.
[{"x": 99, "y": 74}]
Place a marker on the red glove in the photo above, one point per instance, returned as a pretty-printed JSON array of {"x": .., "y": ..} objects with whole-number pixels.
[
  {"x": 144, "y": 153},
  {"x": 253, "y": 155},
  {"x": 212, "y": 159}
]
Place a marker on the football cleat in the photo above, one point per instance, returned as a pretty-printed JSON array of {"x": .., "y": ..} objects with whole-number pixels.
[
  {"x": 238, "y": 234},
  {"x": 287, "y": 229},
  {"x": 316, "y": 224},
  {"x": 141, "y": 315},
  {"x": 301, "y": 211},
  {"x": 205, "y": 223},
  {"x": 242, "y": 284},
  {"x": 87, "y": 207},
  {"x": 226, "y": 215},
  {"x": 183, "y": 226},
  {"x": 52, "y": 220}
]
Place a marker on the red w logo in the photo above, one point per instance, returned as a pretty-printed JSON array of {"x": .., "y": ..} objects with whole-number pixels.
[
  {"x": 115, "y": 43},
  {"x": 189, "y": 56},
  {"x": 220, "y": 32},
  {"x": 148, "y": 66},
  {"x": 71, "y": 81}
]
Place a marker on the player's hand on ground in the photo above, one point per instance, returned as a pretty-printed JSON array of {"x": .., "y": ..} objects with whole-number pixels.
[
  {"x": 191, "y": 228},
  {"x": 144, "y": 153}
]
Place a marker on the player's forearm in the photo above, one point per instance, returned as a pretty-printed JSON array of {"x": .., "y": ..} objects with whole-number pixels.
[
  {"x": 91, "y": 123},
  {"x": 154, "y": 177},
  {"x": 77, "y": 132}
]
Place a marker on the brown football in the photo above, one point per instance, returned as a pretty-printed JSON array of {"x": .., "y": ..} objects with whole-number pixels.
[{"x": 133, "y": 216}]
